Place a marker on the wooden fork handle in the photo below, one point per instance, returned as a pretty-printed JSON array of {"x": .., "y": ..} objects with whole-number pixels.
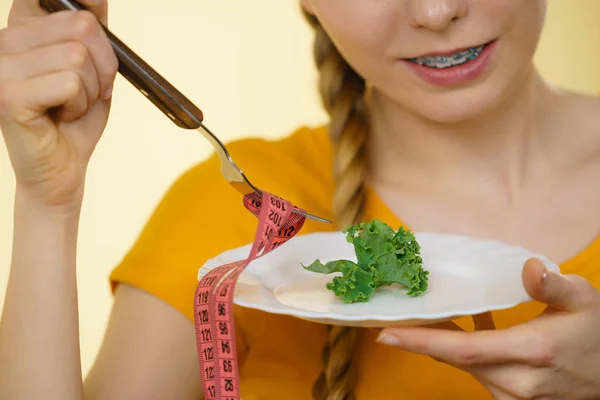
[{"x": 149, "y": 82}]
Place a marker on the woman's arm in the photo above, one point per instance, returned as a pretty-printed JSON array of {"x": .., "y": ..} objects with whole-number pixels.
[
  {"x": 148, "y": 351},
  {"x": 39, "y": 337},
  {"x": 55, "y": 85}
]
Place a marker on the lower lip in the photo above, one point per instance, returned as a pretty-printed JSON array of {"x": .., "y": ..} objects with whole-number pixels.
[{"x": 454, "y": 76}]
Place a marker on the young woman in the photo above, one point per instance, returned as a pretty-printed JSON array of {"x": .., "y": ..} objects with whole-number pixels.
[{"x": 439, "y": 122}]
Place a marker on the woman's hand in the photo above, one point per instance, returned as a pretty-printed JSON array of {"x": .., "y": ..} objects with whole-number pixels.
[
  {"x": 56, "y": 74},
  {"x": 555, "y": 356}
]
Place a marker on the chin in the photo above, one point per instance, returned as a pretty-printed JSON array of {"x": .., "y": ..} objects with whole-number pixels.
[{"x": 456, "y": 107}]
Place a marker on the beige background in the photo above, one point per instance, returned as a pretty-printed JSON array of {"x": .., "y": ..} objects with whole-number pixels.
[{"x": 249, "y": 67}]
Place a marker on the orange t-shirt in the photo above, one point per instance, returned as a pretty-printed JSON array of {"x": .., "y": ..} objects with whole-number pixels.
[{"x": 280, "y": 355}]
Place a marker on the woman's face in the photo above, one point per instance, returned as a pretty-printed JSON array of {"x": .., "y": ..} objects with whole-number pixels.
[{"x": 450, "y": 77}]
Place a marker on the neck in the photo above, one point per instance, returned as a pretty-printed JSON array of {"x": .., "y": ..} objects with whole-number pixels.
[{"x": 501, "y": 146}]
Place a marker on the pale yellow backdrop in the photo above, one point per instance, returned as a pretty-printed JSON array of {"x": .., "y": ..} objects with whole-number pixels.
[{"x": 248, "y": 65}]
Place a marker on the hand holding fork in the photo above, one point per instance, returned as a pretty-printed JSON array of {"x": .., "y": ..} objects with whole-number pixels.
[{"x": 169, "y": 100}]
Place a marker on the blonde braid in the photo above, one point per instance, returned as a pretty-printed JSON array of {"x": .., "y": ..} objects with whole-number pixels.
[{"x": 342, "y": 91}]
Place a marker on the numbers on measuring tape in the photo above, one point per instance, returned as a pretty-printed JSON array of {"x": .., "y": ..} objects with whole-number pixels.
[
  {"x": 212, "y": 391},
  {"x": 206, "y": 334},
  {"x": 210, "y": 280},
  {"x": 208, "y": 353},
  {"x": 287, "y": 232},
  {"x": 225, "y": 347},
  {"x": 223, "y": 328},
  {"x": 203, "y": 297},
  {"x": 210, "y": 372},
  {"x": 275, "y": 217},
  {"x": 255, "y": 203},
  {"x": 203, "y": 315},
  {"x": 278, "y": 203},
  {"x": 277, "y": 243},
  {"x": 214, "y": 316},
  {"x": 269, "y": 231},
  {"x": 224, "y": 291}
]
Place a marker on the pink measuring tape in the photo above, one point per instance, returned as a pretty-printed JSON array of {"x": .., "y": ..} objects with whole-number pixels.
[{"x": 213, "y": 304}]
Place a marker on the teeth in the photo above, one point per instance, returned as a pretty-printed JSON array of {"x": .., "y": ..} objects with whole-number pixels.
[{"x": 450, "y": 61}]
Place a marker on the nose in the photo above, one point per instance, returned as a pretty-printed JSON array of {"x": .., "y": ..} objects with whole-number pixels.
[{"x": 435, "y": 14}]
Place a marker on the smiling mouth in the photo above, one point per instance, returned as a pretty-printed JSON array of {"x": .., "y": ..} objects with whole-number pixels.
[{"x": 452, "y": 60}]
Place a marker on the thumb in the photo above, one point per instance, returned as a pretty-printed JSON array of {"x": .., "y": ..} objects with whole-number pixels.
[{"x": 561, "y": 292}]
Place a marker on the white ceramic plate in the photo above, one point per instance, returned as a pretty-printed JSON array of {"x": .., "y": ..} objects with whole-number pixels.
[{"x": 466, "y": 277}]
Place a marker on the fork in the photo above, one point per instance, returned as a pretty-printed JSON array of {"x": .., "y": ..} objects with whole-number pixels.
[{"x": 170, "y": 101}]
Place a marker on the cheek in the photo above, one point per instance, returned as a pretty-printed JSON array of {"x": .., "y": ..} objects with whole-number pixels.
[
  {"x": 366, "y": 54},
  {"x": 524, "y": 20},
  {"x": 520, "y": 37},
  {"x": 361, "y": 31}
]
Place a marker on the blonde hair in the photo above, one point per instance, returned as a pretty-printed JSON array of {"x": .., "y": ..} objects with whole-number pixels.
[{"x": 342, "y": 92}]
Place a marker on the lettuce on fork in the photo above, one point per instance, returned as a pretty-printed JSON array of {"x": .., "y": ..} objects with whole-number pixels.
[{"x": 384, "y": 257}]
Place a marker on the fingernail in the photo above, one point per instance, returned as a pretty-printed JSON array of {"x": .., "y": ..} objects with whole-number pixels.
[
  {"x": 108, "y": 93},
  {"x": 388, "y": 339},
  {"x": 546, "y": 274}
]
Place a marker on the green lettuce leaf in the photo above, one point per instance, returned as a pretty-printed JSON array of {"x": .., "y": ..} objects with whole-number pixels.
[
  {"x": 355, "y": 285},
  {"x": 384, "y": 257}
]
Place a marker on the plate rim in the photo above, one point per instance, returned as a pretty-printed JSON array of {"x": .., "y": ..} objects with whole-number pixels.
[{"x": 283, "y": 309}]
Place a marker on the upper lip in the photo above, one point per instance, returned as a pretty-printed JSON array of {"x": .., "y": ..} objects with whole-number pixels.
[{"x": 442, "y": 53}]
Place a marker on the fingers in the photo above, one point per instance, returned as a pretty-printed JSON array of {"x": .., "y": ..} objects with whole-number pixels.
[
  {"x": 471, "y": 348},
  {"x": 66, "y": 56},
  {"x": 514, "y": 381},
  {"x": 68, "y": 26},
  {"x": 560, "y": 292},
  {"x": 77, "y": 104},
  {"x": 25, "y": 100},
  {"x": 447, "y": 325},
  {"x": 67, "y": 48},
  {"x": 496, "y": 392},
  {"x": 26, "y": 10}
]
